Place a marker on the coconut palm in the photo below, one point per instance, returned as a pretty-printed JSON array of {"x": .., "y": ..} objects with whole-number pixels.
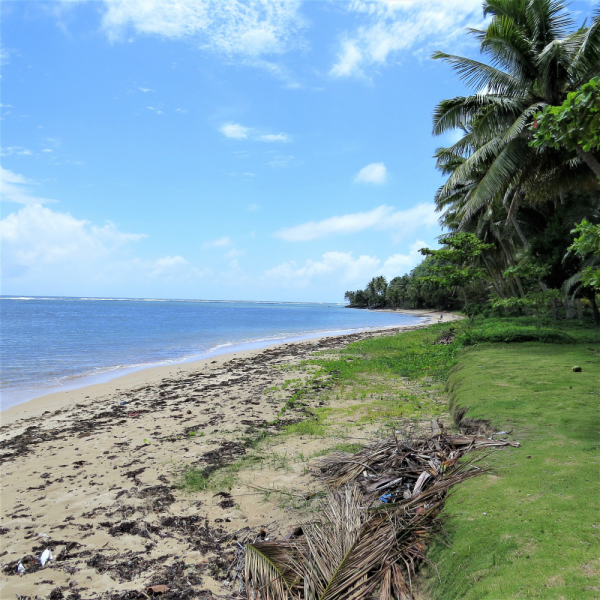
[{"x": 535, "y": 60}]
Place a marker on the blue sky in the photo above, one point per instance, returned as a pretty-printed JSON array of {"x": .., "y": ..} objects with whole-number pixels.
[{"x": 221, "y": 149}]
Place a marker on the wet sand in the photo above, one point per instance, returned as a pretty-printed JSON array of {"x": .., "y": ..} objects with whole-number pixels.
[{"x": 90, "y": 474}]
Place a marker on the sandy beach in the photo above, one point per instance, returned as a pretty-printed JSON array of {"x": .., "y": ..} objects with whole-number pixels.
[{"x": 91, "y": 475}]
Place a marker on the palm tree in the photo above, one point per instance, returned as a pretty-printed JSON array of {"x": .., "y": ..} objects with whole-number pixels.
[
  {"x": 535, "y": 61},
  {"x": 377, "y": 289}
]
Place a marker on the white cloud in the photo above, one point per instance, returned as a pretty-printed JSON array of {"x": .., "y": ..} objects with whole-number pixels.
[
  {"x": 48, "y": 251},
  {"x": 249, "y": 28},
  {"x": 349, "y": 60},
  {"x": 241, "y": 132},
  {"x": 220, "y": 243},
  {"x": 399, "y": 264},
  {"x": 36, "y": 236},
  {"x": 169, "y": 265},
  {"x": 18, "y": 150},
  {"x": 383, "y": 218},
  {"x": 234, "y": 252},
  {"x": 390, "y": 27},
  {"x": 252, "y": 207},
  {"x": 145, "y": 90},
  {"x": 279, "y": 137},
  {"x": 280, "y": 161},
  {"x": 46, "y": 150},
  {"x": 373, "y": 173},
  {"x": 14, "y": 188},
  {"x": 341, "y": 270},
  {"x": 341, "y": 265},
  {"x": 235, "y": 131}
]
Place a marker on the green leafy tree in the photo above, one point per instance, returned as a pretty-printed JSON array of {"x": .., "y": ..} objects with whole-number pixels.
[
  {"x": 587, "y": 245},
  {"x": 458, "y": 255},
  {"x": 575, "y": 124}
]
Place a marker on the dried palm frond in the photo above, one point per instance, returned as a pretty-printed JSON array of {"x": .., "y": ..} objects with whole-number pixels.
[
  {"x": 365, "y": 545},
  {"x": 269, "y": 570}
]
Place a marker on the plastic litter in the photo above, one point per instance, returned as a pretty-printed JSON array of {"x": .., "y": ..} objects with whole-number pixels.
[
  {"x": 386, "y": 498},
  {"x": 20, "y": 568},
  {"x": 45, "y": 557},
  {"x": 122, "y": 402}
]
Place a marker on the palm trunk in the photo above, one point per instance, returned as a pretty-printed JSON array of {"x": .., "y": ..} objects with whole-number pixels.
[
  {"x": 517, "y": 227},
  {"x": 511, "y": 216},
  {"x": 589, "y": 159}
]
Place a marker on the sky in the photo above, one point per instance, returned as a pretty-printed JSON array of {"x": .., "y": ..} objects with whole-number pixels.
[{"x": 219, "y": 149}]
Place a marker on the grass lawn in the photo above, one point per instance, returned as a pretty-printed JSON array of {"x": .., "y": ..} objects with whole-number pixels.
[
  {"x": 539, "y": 536},
  {"x": 532, "y": 530}
]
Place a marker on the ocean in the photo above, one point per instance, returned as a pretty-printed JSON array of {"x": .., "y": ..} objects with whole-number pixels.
[{"x": 54, "y": 344}]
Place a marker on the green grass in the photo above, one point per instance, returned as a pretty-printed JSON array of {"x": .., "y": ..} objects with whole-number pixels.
[
  {"x": 306, "y": 427},
  {"x": 540, "y": 537}
]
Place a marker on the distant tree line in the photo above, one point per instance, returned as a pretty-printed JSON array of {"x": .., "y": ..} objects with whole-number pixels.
[{"x": 521, "y": 202}]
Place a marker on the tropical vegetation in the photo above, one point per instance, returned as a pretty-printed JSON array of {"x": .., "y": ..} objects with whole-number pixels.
[{"x": 524, "y": 176}]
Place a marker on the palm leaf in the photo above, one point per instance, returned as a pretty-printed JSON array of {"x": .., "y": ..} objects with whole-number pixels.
[{"x": 269, "y": 570}]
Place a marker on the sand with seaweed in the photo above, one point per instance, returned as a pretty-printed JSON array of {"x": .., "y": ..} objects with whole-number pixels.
[{"x": 96, "y": 482}]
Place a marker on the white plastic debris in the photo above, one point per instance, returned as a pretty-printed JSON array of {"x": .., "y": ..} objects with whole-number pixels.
[
  {"x": 20, "y": 568},
  {"x": 43, "y": 535},
  {"x": 45, "y": 557}
]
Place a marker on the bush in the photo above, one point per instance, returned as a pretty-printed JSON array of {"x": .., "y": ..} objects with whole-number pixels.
[{"x": 512, "y": 334}]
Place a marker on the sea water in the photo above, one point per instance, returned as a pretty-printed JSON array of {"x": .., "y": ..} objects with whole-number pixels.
[{"x": 54, "y": 344}]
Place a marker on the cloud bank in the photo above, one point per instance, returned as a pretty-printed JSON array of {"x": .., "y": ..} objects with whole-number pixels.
[
  {"x": 248, "y": 28},
  {"x": 382, "y": 218},
  {"x": 395, "y": 26}
]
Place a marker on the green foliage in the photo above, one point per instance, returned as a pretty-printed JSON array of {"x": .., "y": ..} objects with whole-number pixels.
[
  {"x": 588, "y": 243},
  {"x": 459, "y": 253},
  {"x": 535, "y": 299},
  {"x": 573, "y": 124},
  {"x": 499, "y": 332}
]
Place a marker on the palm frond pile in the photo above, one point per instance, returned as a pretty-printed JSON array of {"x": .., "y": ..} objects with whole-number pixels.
[{"x": 371, "y": 531}]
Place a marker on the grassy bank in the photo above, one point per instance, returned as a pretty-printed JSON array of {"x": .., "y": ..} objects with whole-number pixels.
[{"x": 532, "y": 529}]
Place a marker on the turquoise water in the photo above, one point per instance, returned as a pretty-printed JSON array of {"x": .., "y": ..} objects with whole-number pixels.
[{"x": 61, "y": 343}]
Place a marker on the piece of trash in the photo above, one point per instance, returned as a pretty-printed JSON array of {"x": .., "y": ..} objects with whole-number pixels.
[
  {"x": 485, "y": 514},
  {"x": 45, "y": 557},
  {"x": 423, "y": 477},
  {"x": 386, "y": 498},
  {"x": 20, "y": 568},
  {"x": 134, "y": 414},
  {"x": 122, "y": 402},
  {"x": 159, "y": 589},
  {"x": 43, "y": 535},
  {"x": 577, "y": 369}
]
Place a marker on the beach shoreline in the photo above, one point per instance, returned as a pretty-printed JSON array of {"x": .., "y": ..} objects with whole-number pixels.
[
  {"x": 87, "y": 387},
  {"x": 92, "y": 474}
]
